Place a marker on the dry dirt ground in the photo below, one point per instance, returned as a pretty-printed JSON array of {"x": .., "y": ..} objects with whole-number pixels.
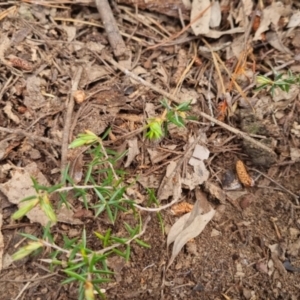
[{"x": 250, "y": 249}]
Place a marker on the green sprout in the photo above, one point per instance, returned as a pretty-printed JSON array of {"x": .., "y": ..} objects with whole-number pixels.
[
  {"x": 86, "y": 138},
  {"x": 279, "y": 82},
  {"x": 176, "y": 115}
]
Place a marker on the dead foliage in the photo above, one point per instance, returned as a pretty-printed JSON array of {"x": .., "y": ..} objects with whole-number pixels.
[{"x": 70, "y": 67}]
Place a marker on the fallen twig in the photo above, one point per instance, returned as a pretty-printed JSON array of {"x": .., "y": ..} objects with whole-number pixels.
[
  {"x": 181, "y": 31},
  {"x": 278, "y": 184},
  {"x": 111, "y": 28},
  {"x": 30, "y": 135},
  {"x": 67, "y": 125}
]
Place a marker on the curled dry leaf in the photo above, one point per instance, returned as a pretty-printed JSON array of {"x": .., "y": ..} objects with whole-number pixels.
[
  {"x": 181, "y": 208},
  {"x": 216, "y": 191},
  {"x": 8, "y": 111},
  {"x": 243, "y": 175},
  {"x": 188, "y": 227},
  {"x": 171, "y": 187},
  {"x": 133, "y": 151},
  {"x": 79, "y": 96},
  {"x": 271, "y": 15},
  {"x": 19, "y": 63}
]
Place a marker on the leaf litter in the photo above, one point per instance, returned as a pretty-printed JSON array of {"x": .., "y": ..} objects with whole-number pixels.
[
  {"x": 245, "y": 38},
  {"x": 189, "y": 226}
]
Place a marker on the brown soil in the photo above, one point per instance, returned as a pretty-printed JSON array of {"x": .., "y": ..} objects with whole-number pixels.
[{"x": 250, "y": 250}]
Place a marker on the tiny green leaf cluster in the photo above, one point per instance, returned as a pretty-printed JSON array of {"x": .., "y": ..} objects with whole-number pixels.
[
  {"x": 280, "y": 81},
  {"x": 176, "y": 115}
]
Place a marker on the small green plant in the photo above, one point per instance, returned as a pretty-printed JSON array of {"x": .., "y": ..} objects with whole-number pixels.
[
  {"x": 105, "y": 185},
  {"x": 157, "y": 127},
  {"x": 78, "y": 261},
  {"x": 280, "y": 81}
]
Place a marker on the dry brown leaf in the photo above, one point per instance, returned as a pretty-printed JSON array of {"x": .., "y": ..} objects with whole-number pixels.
[
  {"x": 294, "y": 20},
  {"x": 133, "y": 151},
  {"x": 34, "y": 98},
  {"x": 247, "y": 7},
  {"x": 199, "y": 175},
  {"x": 201, "y": 26},
  {"x": 188, "y": 227},
  {"x": 20, "y": 187},
  {"x": 295, "y": 153},
  {"x": 93, "y": 73},
  {"x": 4, "y": 45},
  {"x": 216, "y": 191},
  {"x": 296, "y": 129},
  {"x": 188, "y": 94},
  {"x": 275, "y": 254},
  {"x": 95, "y": 46},
  {"x": 280, "y": 95},
  {"x": 275, "y": 41},
  {"x": 133, "y": 193},
  {"x": 181, "y": 208},
  {"x": 7, "y": 260},
  {"x": 71, "y": 32},
  {"x": 83, "y": 213},
  {"x": 235, "y": 195},
  {"x": 215, "y": 15},
  {"x": 158, "y": 156},
  {"x": 151, "y": 181},
  {"x": 173, "y": 186},
  {"x": 271, "y": 15},
  {"x": 8, "y": 111},
  {"x": 201, "y": 152},
  {"x": 161, "y": 69},
  {"x": 293, "y": 248}
]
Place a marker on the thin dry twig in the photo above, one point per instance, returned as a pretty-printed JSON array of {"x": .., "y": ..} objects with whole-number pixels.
[
  {"x": 239, "y": 133},
  {"x": 181, "y": 31},
  {"x": 167, "y": 180},
  {"x": 111, "y": 27},
  {"x": 5, "y": 87},
  {"x": 25, "y": 287},
  {"x": 67, "y": 125},
  {"x": 30, "y": 279},
  {"x": 278, "y": 184},
  {"x": 30, "y": 135}
]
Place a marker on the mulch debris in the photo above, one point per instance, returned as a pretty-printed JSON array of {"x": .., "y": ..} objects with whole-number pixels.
[{"x": 71, "y": 66}]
